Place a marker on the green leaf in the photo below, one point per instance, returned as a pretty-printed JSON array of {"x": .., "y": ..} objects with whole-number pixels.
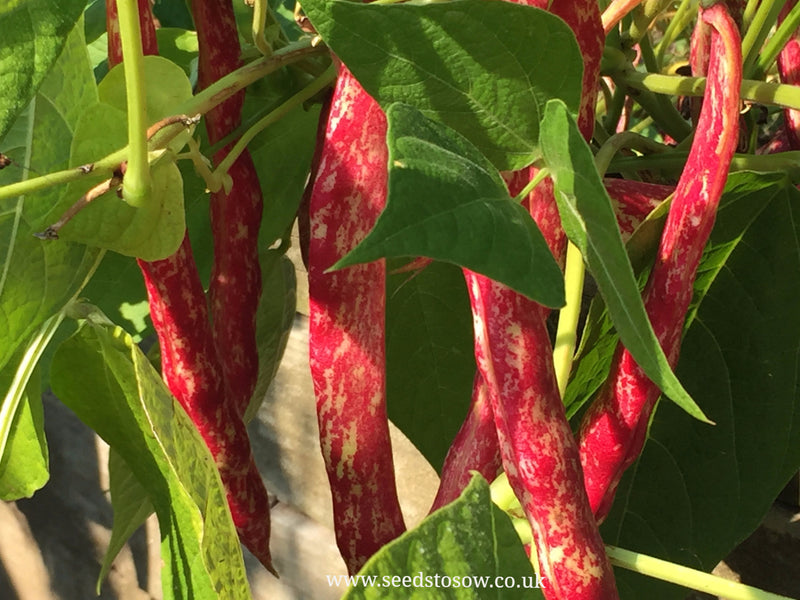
[
  {"x": 94, "y": 17},
  {"x": 469, "y": 538},
  {"x": 592, "y": 359},
  {"x": 588, "y": 219},
  {"x": 37, "y": 280},
  {"x": 430, "y": 361},
  {"x": 173, "y": 14},
  {"x": 698, "y": 491},
  {"x": 34, "y": 34},
  {"x": 282, "y": 155},
  {"x": 447, "y": 202},
  {"x": 15, "y": 147},
  {"x": 24, "y": 467},
  {"x": 131, "y": 506},
  {"x": 166, "y": 87},
  {"x": 599, "y": 338},
  {"x": 23, "y": 449},
  {"x": 486, "y": 69},
  {"x": 154, "y": 230},
  {"x": 117, "y": 287},
  {"x": 274, "y": 321},
  {"x": 131, "y": 409},
  {"x": 180, "y": 47}
]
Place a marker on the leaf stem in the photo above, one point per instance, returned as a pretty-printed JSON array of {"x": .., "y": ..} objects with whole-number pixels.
[
  {"x": 204, "y": 101},
  {"x": 615, "y": 11},
  {"x": 136, "y": 186},
  {"x": 675, "y": 160},
  {"x": 502, "y": 494},
  {"x": 679, "y": 21},
  {"x": 749, "y": 12},
  {"x": 686, "y": 577},
  {"x": 614, "y": 109},
  {"x": 665, "y": 570},
  {"x": 776, "y": 42},
  {"x": 567, "y": 332},
  {"x": 541, "y": 174},
  {"x": 575, "y": 270},
  {"x": 259, "y": 24},
  {"x": 625, "y": 140},
  {"x": 237, "y": 80},
  {"x": 760, "y": 92},
  {"x": 663, "y": 112},
  {"x": 757, "y": 31},
  {"x": 308, "y": 92}
]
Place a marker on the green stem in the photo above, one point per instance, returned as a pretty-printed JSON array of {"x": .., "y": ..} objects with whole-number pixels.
[
  {"x": 136, "y": 185},
  {"x": 776, "y": 42},
  {"x": 675, "y": 161},
  {"x": 234, "y": 82},
  {"x": 668, "y": 571},
  {"x": 666, "y": 107},
  {"x": 305, "y": 94},
  {"x": 615, "y": 108},
  {"x": 760, "y": 92},
  {"x": 502, "y": 494},
  {"x": 567, "y": 332},
  {"x": 749, "y": 12},
  {"x": 523, "y": 529},
  {"x": 764, "y": 19},
  {"x": 642, "y": 22},
  {"x": 259, "y": 23},
  {"x": 625, "y": 140},
  {"x": 648, "y": 56},
  {"x": 213, "y": 95},
  {"x": 686, "y": 577},
  {"x": 679, "y": 22},
  {"x": 537, "y": 179},
  {"x": 575, "y": 269},
  {"x": 641, "y": 125},
  {"x": 664, "y": 114}
]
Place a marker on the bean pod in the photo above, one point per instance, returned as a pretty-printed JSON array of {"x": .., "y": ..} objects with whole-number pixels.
[
  {"x": 614, "y": 429},
  {"x": 346, "y": 328}
]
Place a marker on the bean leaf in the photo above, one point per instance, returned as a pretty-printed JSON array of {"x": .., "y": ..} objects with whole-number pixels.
[
  {"x": 486, "y": 69},
  {"x": 430, "y": 361},
  {"x": 130, "y": 408},
  {"x": 589, "y": 221},
  {"x": 446, "y": 201},
  {"x": 34, "y": 34},
  {"x": 698, "y": 491},
  {"x": 468, "y": 549}
]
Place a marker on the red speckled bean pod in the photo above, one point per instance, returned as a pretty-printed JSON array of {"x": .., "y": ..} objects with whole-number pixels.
[
  {"x": 614, "y": 428},
  {"x": 634, "y": 200},
  {"x": 514, "y": 356},
  {"x": 193, "y": 374},
  {"x": 540, "y": 454},
  {"x": 189, "y": 361},
  {"x": 475, "y": 448},
  {"x": 347, "y": 325},
  {"x": 235, "y": 286}
]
